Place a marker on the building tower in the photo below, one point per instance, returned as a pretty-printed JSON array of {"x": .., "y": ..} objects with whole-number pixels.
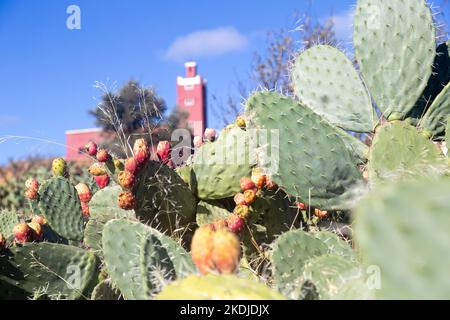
[{"x": 191, "y": 97}]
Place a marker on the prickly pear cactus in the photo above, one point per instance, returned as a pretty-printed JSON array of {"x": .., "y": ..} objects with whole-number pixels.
[
  {"x": 47, "y": 270},
  {"x": 218, "y": 166},
  {"x": 217, "y": 287},
  {"x": 8, "y": 220},
  {"x": 104, "y": 290},
  {"x": 60, "y": 205},
  {"x": 395, "y": 61},
  {"x": 403, "y": 230},
  {"x": 399, "y": 151},
  {"x": 325, "y": 80},
  {"x": 140, "y": 260},
  {"x": 304, "y": 155},
  {"x": 435, "y": 119},
  {"x": 209, "y": 212}
]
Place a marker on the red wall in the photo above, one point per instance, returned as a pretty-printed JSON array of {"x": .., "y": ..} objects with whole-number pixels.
[{"x": 77, "y": 139}]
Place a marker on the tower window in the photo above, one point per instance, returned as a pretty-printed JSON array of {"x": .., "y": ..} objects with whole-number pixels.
[{"x": 188, "y": 102}]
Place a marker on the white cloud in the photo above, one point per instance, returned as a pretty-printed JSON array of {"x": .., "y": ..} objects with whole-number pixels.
[
  {"x": 343, "y": 25},
  {"x": 202, "y": 43}
]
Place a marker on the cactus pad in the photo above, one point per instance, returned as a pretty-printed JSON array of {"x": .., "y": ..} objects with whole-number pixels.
[
  {"x": 304, "y": 154},
  {"x": 325, "y": 80},
  {"x": 60, "y": 205},
  {"x": 217, "y": 287},
  {"x": 209, "y": 212},
  {"x": 104, "y": 290},
  {"x": 435, "y": 119},
  {"x": 395, "y": 48},
  {"x": 403, "y": 230},
  {"x": 8, "y": 220}
]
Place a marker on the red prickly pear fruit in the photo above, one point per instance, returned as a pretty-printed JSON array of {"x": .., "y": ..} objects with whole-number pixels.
[
  {"x": 240, "y": 122},
  {"x": 301, "y": 206},
  {"x": 2, "y": 242},
  {"x": 163, "y": 150},
  {"x": 202, "y": 246},
  {"x": 31, "y": 194},
  {"x": 239, "y": 199},
  {"x": 126, "y": 179},
  {"x": 198, "y": 141},
  {"x": 131, "y": 165},
  {"x": 85, "y": 209},
  {"x": 97, "y": 170},
  {"x": 102, "y": 181},
  {"x": 210, "y": 134},
  {"x": 258, "y": 178},
  {"x": 219, "y": 224},
  {"x": 226, "y": 252},
  {"x": 270, "y": 185},
  {"x": 22, "y": 233},
  {"x": 36, "y": 231},
  {"x": 249, "y": 196},
  {"x": 242, "y": 211},
  {"x": 103, "y": 155},
  {"x": 91, "y": 148},
  {"x": 39, "y": 219},
  {"x": 246, "y": 183},
  {"x": 59, "y": 167},
  {"x": 141, "y": 152},
  {"x": 235, "y": 223},
  {"x": 32, "y": 183},
  {"x": 84, "y": 193},
  {"x": 320, "y": 213},
  {"x": 127, "y": 200}
]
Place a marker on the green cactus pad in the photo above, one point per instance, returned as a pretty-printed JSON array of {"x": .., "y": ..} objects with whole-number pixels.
[
  {"x": 395, "y": 48},
  {"x": 217, "y": 287},
  {"x": 304, "y": 154},
  {"x": 325, "y": 80},
  {"x": 330, "y": 274},
  {"x": 358, "y": 149},
  {"x": 133, "y": 252},
  {"x": 447, "y": 135},
  {"x": 399, "y": 151},
  {"x": 47, "y": 270},
  {"x": 105, "y": 291},
  {"x": 163, "y": 199},
  {"x": 8, "y": 220},
  {"x": 403, "y": 230},
  {"x": 290, "y": 253},
  {"x": 336, "y": 246},
  {"x": 60, "y": 205},
  {"x": 209, "y": 212},
  {"x": 218, "y": 166},
  {"x": 435, "y": 119}
]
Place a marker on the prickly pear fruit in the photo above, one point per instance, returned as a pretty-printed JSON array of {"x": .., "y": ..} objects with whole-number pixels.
[
  {"x": 97, "y": 170},
  {"x": 36, "y": 231},
  {"x": 242, "y": 211},
  {"x": 32, "y": 183},
  {"x": 103, "y": 155},
  {"x": 91, "y": 148},
  {"x": 301, "y": 206},
  {"x": 198, "y": 141},
  {"x": 249, "y": 196},
  {"x": 84, "y": 193},
  {"x": 163, "y": 151},
  {"x": 102, "y": 181},
  {"x": 31, "y": 194},
  {"x": 131, "y": 165},
  {"x": 246, "y": 183},
  {"x": 39, "y": 219},
  {"x": 239, "y": 199},
  {"x": 240, "y": 122},
  {"x": 270, "y": 185},
  {"x": 127, "y": 200},
  {"x": 210, "y": 134},
  {"x": 320, "y": 214},
  {"x": 85, "y": 209},
  {"x": 2, "y": 242},
  {"x": 126, "y": 179},
  {"x": 202, "y": 246},
  {"x": 258, "y": 177},
  {"x": 141, "y": 152},
  {"x": 59, "y": 167},
  {"x": 226, "y": 252},
  {"x": 22, "y": 233},
  {"x": 235, "y": 223}
]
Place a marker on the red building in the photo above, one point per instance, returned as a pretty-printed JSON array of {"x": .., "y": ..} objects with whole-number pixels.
[
  {"x": 191, "y": 97},
  {"x": 77, "y": 139}
]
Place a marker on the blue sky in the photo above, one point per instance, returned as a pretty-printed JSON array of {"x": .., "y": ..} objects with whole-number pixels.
[{"x": 47, "y": 72}]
